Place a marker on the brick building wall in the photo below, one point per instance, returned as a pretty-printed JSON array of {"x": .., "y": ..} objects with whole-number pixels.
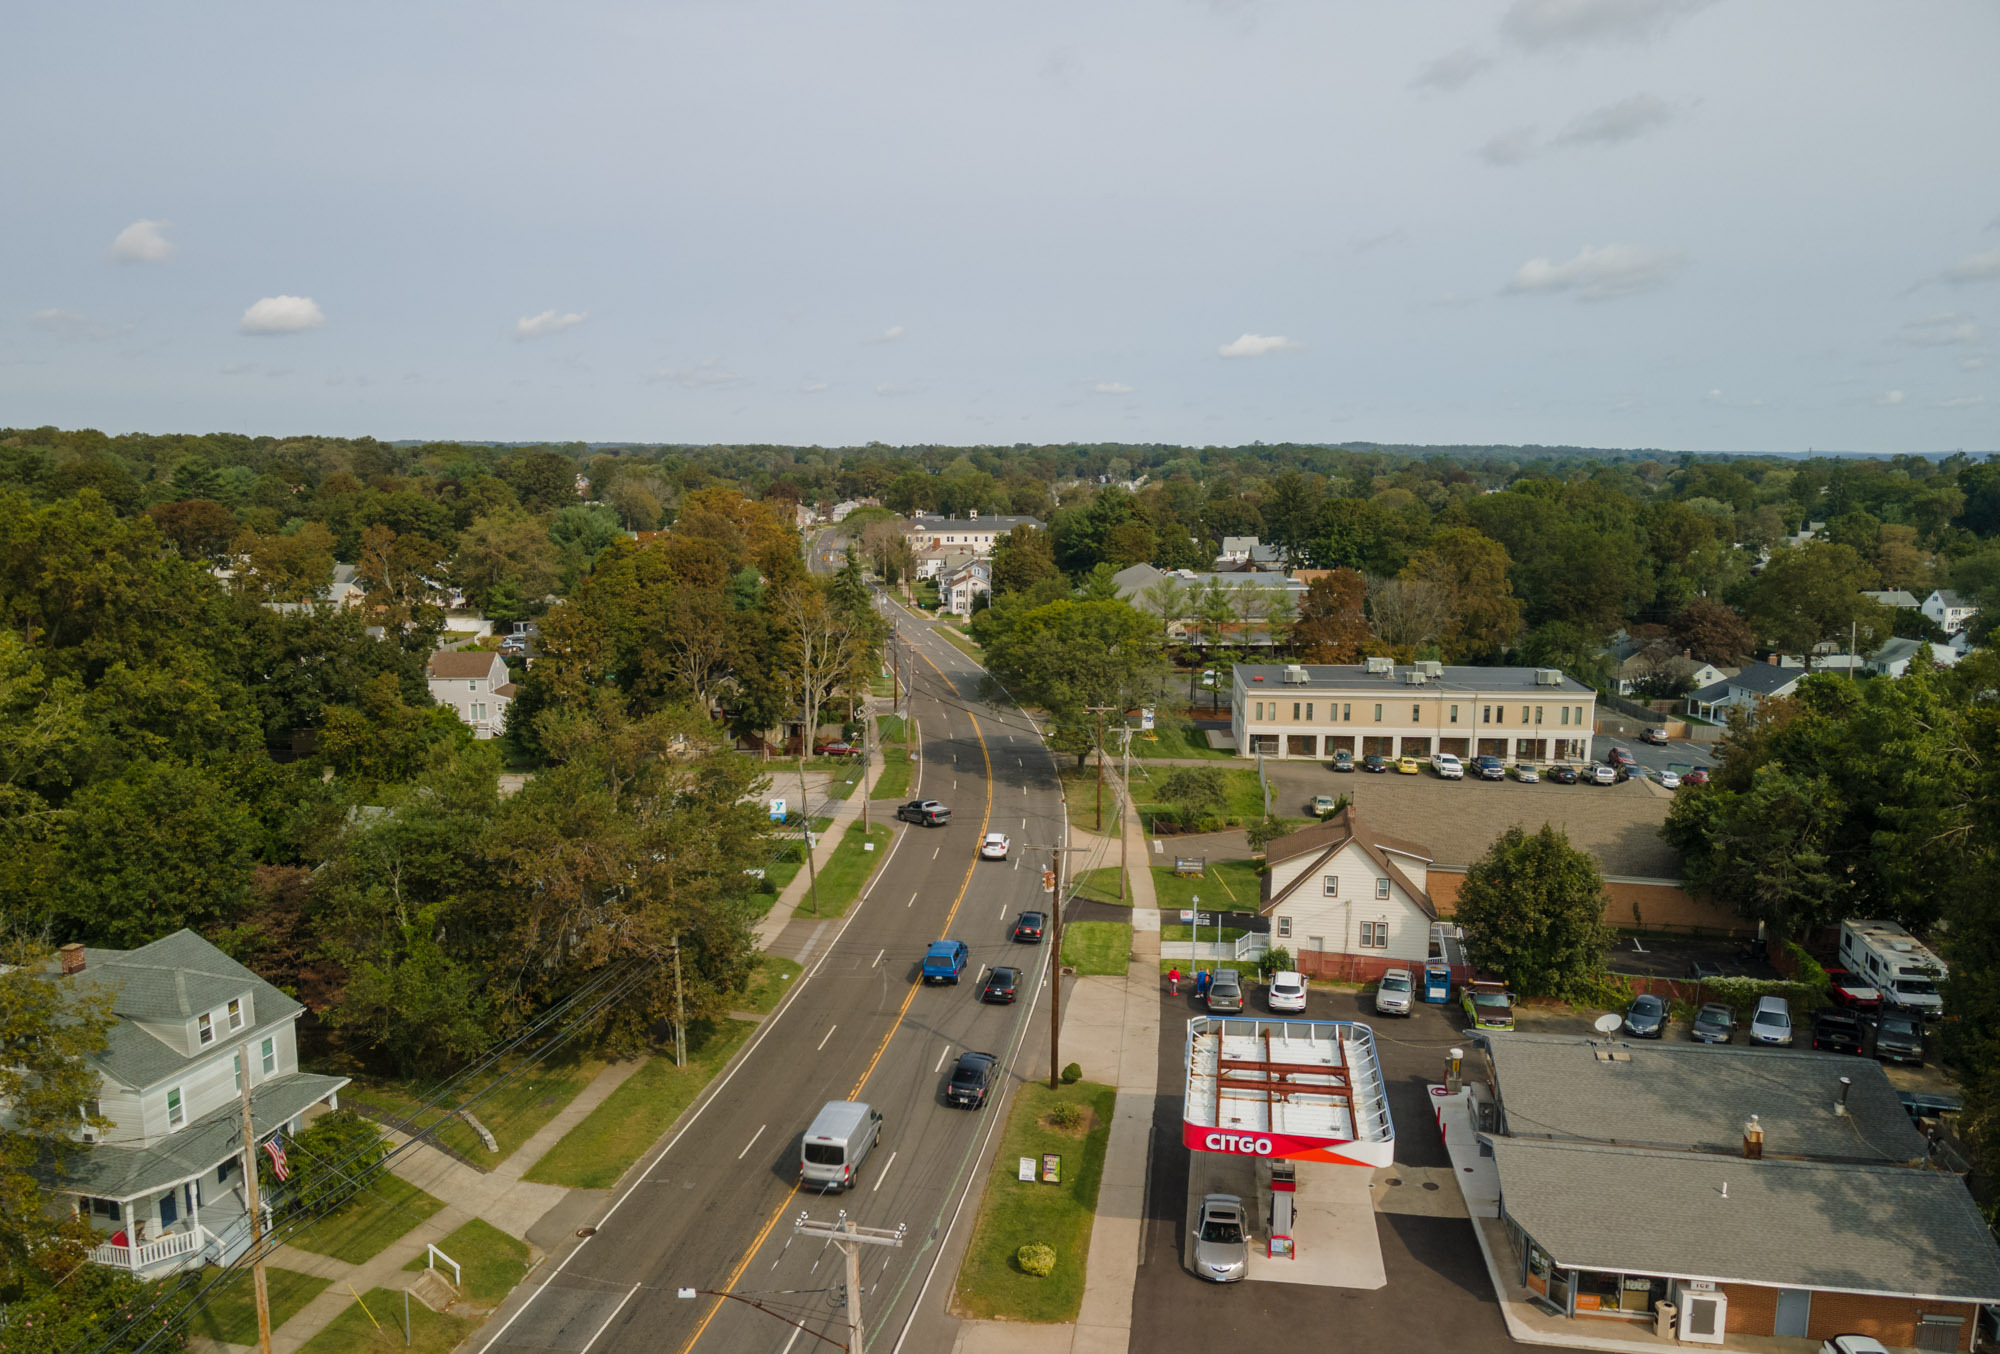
[
  {"x": 1753, "y": 1310},
  {"x": 1335, "y": 967}
]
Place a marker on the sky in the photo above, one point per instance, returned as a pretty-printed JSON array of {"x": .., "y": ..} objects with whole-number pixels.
[{"x": 1678, "y": 224}]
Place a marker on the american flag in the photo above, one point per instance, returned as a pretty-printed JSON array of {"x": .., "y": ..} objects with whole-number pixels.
[{"x": 276, "y": 1151}]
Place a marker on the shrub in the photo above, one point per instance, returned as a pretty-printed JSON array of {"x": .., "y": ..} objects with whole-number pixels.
[
  {"x": 1265, "y": 831},
  {"x": 1036, "y": 1258},
  {"x": 1275, "y": 960},
  {"x": 1065, "y": 1115},
  {"x": 1071, "y": 1075}
]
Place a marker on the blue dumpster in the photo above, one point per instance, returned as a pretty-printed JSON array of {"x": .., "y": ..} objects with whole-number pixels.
[{"x": 1437, "y": 982}]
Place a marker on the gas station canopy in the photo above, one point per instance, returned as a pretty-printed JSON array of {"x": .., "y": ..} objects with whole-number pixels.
[{"x": 1301, "y": 1090}]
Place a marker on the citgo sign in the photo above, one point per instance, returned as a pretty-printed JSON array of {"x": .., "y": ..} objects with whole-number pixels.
[
  {"x": 1285, "y": 1146},
  {"x": 1240, "y": 1143}
]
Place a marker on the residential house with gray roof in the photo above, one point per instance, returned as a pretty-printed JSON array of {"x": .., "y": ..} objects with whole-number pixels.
[{"x": 163, "y": 1183}]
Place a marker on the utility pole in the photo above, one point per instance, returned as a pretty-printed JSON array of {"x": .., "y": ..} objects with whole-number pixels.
[
  {"x": 1099, "y": 711},
  {"x": 256, "y": 1212},
  {"x": 680, "y": 1011},
  {"x": 850, "y": 1239},
  {"x": 1054, "y": 878},
  {"x": 1125, "y": 807},
  {"x": 867, "y": 760}
]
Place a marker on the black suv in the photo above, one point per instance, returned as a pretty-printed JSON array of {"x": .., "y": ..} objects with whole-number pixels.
[
  {"x": 972, "y": 1080},
  {"x": 926, "y": 812},
  {"x": 1836, "y": 1032}
]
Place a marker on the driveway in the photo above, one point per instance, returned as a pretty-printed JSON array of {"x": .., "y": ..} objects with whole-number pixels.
[{"x": 1438, "y": 1294}]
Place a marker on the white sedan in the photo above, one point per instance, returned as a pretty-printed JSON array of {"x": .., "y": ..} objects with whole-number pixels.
[
  {"x": 993, "y": 846},
  {"x": 1287, "y": 992}
]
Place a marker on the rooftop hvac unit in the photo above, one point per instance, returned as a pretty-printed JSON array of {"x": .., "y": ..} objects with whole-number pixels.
[
  {"x": 1548, "y": 677},
  {"x": 1430, "y": 667},
  {"x": 1381, "y": 666},
  {"x": 1416, "y": 677},
  {"x": 1296, "y": 675}
]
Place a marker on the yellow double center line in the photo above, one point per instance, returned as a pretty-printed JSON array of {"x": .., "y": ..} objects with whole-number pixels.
[{"x": 785, "y": 1204}]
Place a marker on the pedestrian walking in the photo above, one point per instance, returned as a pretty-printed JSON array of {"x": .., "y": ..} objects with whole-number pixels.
[
  {"x": 1201, "y": 983},
  {"x": 1174, "y": 980}
]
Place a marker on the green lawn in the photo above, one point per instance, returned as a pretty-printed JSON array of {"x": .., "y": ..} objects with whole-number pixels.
[
  {"x": 1231, "y": 885},
  {"x": 1186, "y": 742},
  {"x": 1080, "y": 793},
  {"x": 490, "y": 1262},
  {"x": 847, "y": 869},
  {"x": 893, "y": 782},
  {"x": 959, "y": 639},
  {"x": 1101, "y": 947},
  {"x": 595, "y": 1153},
  {"x": 1101, "y": 885},
  {"x": 769, "y": 981},
  {"x": 379, "y": 1329},
  {"x": 791, "y": 857},
  {"x": 363, "y": 1226},
  {"x": 991, "y": 1285},
  {"x": 1175, "y": 931},
  {"x": 230, "y": 1314},
  {"x": 512, "y": 1114},
  {"x": 892, "y": 729},
  {"x": 845, "y": 778}
]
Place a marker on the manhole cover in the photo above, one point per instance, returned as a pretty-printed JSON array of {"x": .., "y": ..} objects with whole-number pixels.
[
  {"x": 1394, "y": 1181},
  {"x": 586, "y": 1231},
  {"x": 1430, "y": 1184}
]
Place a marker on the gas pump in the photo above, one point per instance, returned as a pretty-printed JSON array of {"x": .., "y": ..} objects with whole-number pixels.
[{"x": 1284, "y": 1186}]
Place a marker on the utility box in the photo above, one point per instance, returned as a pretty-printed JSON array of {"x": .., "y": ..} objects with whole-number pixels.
[{"x": 1284, "y": 1189}]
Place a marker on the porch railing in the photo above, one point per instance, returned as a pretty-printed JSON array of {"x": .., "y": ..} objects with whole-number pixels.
[
  {"x": 1253, "y": 945},
  {"x": 172, "y": 1246}
]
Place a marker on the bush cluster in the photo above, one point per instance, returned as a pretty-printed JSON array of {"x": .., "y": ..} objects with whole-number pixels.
[{"x": 1036, "y": 1258}]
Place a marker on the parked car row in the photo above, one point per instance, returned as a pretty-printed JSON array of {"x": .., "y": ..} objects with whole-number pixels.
[
  {"x": 1891, "y": 1036},
  {"x": 1619, "y": 766}
]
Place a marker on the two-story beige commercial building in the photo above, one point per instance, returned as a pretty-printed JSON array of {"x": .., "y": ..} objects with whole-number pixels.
[{"x": 1316, "y": 710}]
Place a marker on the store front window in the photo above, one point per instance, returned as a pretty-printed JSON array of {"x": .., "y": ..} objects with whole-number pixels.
[{"x": 1602, "y": 1294}]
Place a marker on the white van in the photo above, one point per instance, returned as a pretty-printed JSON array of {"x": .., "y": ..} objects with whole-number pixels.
[{"x": 842, "y": 1135}]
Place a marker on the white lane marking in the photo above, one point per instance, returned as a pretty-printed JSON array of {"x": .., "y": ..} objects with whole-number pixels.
[
  {"x": 824, "y": 1037},
  {"x": 878, "y": 957},
  {"x": 934, "y": 851},
  {"x": 609, "y": 1319},
  {"x": 912, "y": 902},
  {"x": 1003, "y": 912},
  {"x": 946, "y": 1053},
  {"x": 883, "y": 1174},
  {"x": 796, "y": 1332},
  {"x": 753, "y": 1141}
]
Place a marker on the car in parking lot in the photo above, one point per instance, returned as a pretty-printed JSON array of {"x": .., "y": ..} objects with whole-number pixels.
[
  {"x": 1899, "y": 1038},
  {"x": 1487, "y": 1005},
  {"x": 1343, "y": 761},
  {"x": 1319, "y": 806},
  {"x": 1836, "y": 1031},
  {"x": 836, "y": 748},
  {"x": 1646, "y": 1017},
  {"x": 994, "y": 846},
  {"x": 1657, "y": 737},
  {"x": 1621, "y": 758},
  {"x": 1447, "y": 766},
  {"x": 1713, "y": 1024},
  {"x": 1028, "y": 927},
  {"x": 972, "y": 1079},
  {"x": 1853, "y": 1344},
  {"x": 1489, "y": 768},
  {"x": 926, "y": 812},
  {"x": 1393, "y": 993},
  {"x": 1525, "y": 773},
  {"x": 1602, "y": 773},
  {"x": 1287, "y": 991},
  {"x": 1000, "y": 984},
  {"x": 1225, "y": 992},
  {"x": 1850, "y": 990},
  {"x": 945, "y": 960},
  {"x": 1222, "y": 1239},
  {"x": 1409, "y": 766},
  {"x": 1562, "y": 773},
  {"x": 1696, "y": 775},
  {"x": 1375, "y": 761},
  {"x": 1701, "y": 971},
  {"x": 1669, "y": 779},
  {"x": 1771, "y": 1023}
]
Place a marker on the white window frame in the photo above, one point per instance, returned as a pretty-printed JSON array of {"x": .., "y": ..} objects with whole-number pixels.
[
  {"x": 267, "y": 1053},
  {"x": 204, "y": 1029},
  {"x": 236, "y": 1069},
  {"x": 176, "y": 1110},
  {"x": 235, "y": 1009},
  {"x": 1381, "y": 889},
  {"x": 1284, "y": 928},
  {"x": 1330, "y": 886}
]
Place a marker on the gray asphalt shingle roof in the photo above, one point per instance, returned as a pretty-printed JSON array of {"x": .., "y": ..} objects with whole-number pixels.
[
  {"x": 106, "y": 1172},
  {"x": 1766, "y": 678},
  {"x": 1698, "y": 1097},
  {"x": 1863, "y": 1229}
]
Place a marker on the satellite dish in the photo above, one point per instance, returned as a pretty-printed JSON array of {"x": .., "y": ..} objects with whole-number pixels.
[{"x": 1608, "y": 1024}]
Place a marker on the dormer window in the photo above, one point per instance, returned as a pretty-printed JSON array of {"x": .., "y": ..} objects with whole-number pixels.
[
  {"x": 236, "y": 1013},
  {"x": 176, "y": 1111},
  {"x": 206, "y": 1025}
]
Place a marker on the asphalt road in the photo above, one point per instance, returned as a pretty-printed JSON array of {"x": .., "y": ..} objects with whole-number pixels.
[
  {"x": 1681, "y": 754},
  {"x": 716, "y": 1209}
]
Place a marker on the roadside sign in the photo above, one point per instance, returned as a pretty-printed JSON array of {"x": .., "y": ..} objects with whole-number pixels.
[
  {"x": 1146, "y": 718},
  {"x": 1028, "y": 1169},
  {"x": 777, "y": 810},
  {"x": 1187, "y": 914},
  {"x": 1052, "y": 1168}
]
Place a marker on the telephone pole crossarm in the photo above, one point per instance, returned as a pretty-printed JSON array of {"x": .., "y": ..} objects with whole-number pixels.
[{"x": 850, "y": 1238}]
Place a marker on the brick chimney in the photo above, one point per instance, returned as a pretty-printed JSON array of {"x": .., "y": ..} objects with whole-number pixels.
[{"x": 72, "y": 958}]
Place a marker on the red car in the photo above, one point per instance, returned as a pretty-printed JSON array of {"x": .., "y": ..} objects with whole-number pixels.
[
  {"x": 1698, "y": 776},
  {"x": 835, "y": 750},
  {"x": 1622, "y": 758},
  {"x": 1852, "y": 991}
]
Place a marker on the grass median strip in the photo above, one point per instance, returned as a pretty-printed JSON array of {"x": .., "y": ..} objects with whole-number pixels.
[
  {"x": 230, "y": 1314},
  {"x": 769, "y": 981},
  {"x": 1015, "y": 1212},
  {"x": 617, "y": 1133},
  {"x": 1099, "y": 947},
  {"x": 512, "y": 1114},
  {"x": 1101, "y": 885},
  {"x": 846, "y": 870},
  {"x": 959, "y": 639},
  {"x": 359, "y": 1230},
  {"x": 893, "y": 781},
  {"x": 374, "y": 1325},
  {"x": 489, "y": 1261},
  {"x": 1228, "y": 886}
]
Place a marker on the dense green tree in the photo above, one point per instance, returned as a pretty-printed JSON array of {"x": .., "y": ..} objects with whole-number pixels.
[
  {"x": 1812, "y": 592},
  {"x": 1068, "y": 656},
  {"x": 1533, "y": 912},
  {"x": 1713, "y": 633}
]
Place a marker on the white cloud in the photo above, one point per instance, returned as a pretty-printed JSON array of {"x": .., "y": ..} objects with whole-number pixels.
[
  {"x": 1975, "y": 268},
  {"x": 1939, "y": 331},
  {"x": 1111, "y": 388},
  {"x": 889, "y": 335},
  {"x": 814, "y": 387},
  {"x": 1599, "y": 274},
  {"x": 546, "y": 323},
  {"x": 1512, "y": 147},
  {"x": 1561, "y": 23},
  {"x": 1962, "y": 402},
  {"x": 239, "y": 369},
  {"x": 1257, "y": 345},
  {"x": 891, "y": 389},
  {"x": 68, "y": 325},
  {"x": 141, "y": 242},
  {"x": 1971, "y": 363},
  {"x": 1891, "y": 397},
  {"x": 282, "y": 315},
  {"x": 1451, "y": 71},
  {"x": 1732, "y": 401},
  {"x": 1618, "y": 122},
  {"x": 707, "y": 374}
]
